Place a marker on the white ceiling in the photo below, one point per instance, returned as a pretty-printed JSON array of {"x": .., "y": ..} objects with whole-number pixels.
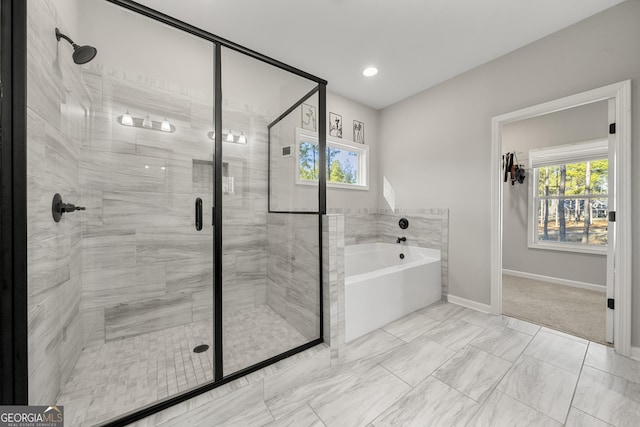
[{"x": 416, "y": 44}]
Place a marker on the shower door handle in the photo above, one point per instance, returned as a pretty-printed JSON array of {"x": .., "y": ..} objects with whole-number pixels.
[{"x": 198, "y": 214}]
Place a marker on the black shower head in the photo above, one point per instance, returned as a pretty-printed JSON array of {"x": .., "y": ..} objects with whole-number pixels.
[{"x": 81, "y": 54}]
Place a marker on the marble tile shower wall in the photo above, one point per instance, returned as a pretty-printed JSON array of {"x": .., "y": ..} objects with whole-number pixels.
[
  {"x": 428, "y": 228},
  {"x": 293, "y": 271},
  {"x": 145, "y": 267},
  {"x": 245, "y": 167},
  {"x": 57, "y": 102}
]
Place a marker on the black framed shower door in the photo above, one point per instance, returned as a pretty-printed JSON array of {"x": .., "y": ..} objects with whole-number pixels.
[{"x": 15, "y": 373}]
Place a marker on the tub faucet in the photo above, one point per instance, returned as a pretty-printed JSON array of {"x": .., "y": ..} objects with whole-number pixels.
[{"x": 401, "y": 239}]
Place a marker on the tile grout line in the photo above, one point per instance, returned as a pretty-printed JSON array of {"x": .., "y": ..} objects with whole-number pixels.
[
  {"x": 480, "y": 406},
  {"x": 500, "y": 357},
  {"x": 527, "y": 346},
  {"x": 264, "y": 401},
  {"x": 395, "y": 401},
  {"x": 495, "y": 386},
  {"x": 593, "y": 416},
  {"x": 611, "y": 373},
  {"x": 551, "y": 364},
  {"x": 389, "y": 371},
  {"x": 317, "y": 415},
  {"x": 575, "y": 389},
  {"x": 500, "y": 380},
  {"x": 525, "y": 404},
  {"x": 566, "y": 335},
  {"x": 434, "y": 370},
  {"x": 511, "y": 369}
]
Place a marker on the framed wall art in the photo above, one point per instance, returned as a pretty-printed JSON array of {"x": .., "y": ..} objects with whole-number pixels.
[
  {"x": 309, "y": 117},
  {"x": 358, "y": 132},
  {"x": 335, "y": 125}
]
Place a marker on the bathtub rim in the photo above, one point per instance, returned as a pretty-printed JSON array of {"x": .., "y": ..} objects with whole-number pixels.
[{"x": 431, "y": 256}]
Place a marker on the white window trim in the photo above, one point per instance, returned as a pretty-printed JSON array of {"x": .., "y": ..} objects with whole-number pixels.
[
  {"x": 363, "y": 166},
  {"x": 562, "y": 154}
]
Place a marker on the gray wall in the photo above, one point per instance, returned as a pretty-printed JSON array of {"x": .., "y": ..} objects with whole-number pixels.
[
  {"x": 350, "y": 111},
  {"x": 574, "y": 125},
  {"x": 436, "y": 145}
]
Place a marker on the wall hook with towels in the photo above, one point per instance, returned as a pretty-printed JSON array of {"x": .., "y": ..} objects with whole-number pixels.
[{"x": 511, "y": 167}]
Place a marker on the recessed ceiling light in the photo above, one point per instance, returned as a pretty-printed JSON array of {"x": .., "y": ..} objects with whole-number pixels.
[{"x": 370, "y": 71}]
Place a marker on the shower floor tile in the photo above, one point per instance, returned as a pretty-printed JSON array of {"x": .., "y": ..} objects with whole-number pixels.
[
  {"x": 124, "y": 375},
  {"x": 251, "y": 336}
]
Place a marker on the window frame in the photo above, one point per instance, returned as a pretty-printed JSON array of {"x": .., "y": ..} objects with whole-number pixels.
[
  {"x": 303, "y": 135},
  {"x": 552, "y": 156}
]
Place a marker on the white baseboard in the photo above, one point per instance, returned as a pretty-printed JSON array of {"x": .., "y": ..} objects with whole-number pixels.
[
  {"x": 557, "y": 281},
  {"x": 478, "y": 306},
  {"x": 635, "y": 353}
]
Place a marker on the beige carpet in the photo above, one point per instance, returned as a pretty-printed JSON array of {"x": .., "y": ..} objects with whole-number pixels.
[{"x": 576, "y": 311}]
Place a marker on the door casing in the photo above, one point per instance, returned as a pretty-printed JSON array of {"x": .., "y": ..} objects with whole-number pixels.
[{"x": 619, "y": 254}]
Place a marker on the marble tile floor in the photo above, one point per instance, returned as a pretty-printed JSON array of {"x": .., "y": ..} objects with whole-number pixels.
[
  {"x": 465, "y": 369},
  {"x": 124, "y": 375}
]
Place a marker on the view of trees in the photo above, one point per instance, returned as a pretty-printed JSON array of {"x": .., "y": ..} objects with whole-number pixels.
[
  {"x": 309, "y": 158},
  {"x": 339, "y": 165},
  {"x": 565, "y": 216}
]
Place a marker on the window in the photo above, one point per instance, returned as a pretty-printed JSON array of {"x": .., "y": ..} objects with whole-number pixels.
[
  {"x": 346, "y": 162},
  {"x": 569, "y": 199}
]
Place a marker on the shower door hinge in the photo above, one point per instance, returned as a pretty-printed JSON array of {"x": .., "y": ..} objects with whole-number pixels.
[
  {"x": 612, "y": 129},
  {"x": 612, "y": 216},
  {"x": 611, "y": 303}
]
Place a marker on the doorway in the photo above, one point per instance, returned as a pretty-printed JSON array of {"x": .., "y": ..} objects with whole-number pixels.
[
  {"x": 555, "y": 225},
  {"x": 618, "y": 286}
]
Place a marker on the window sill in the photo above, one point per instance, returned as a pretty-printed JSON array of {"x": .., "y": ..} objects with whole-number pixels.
[
  {"x": 348, "y": 187},
  {"x": 335, "y": 185},
  {"x": 568, "y": 247}
]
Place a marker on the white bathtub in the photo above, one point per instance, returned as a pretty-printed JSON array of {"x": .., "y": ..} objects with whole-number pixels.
[{"x": 380, "y": 287}]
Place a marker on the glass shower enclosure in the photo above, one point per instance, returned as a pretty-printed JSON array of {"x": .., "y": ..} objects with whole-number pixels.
[{"x": 194, "y": 258}]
